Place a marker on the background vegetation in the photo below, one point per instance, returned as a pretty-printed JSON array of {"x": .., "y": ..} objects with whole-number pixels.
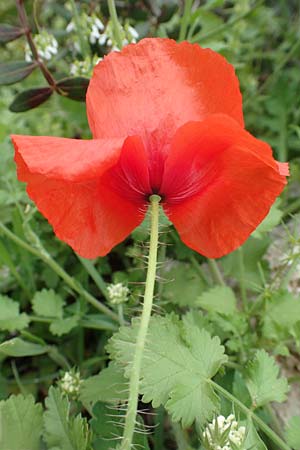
[{"x": 50, "y": 319}]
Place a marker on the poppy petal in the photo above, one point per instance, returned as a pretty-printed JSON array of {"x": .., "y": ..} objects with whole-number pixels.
[
  {"x": 64, "y": 179},
  {"x": 219, "y": 184},
  {"x": 152, "y": 88}
]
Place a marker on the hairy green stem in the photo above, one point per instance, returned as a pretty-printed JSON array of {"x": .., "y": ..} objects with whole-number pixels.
[
  {"x": 75, "y": 285},
  {"x": 115, "y": 22},
  {"x": 143, "y": 329},
  {"x": 261, "y": 424},
  {"x": 185, "y": 19}
]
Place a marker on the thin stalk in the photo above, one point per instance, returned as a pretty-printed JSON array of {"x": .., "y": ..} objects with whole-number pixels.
[
  {"x": 134, "y": 381},
  {"x": 45, "y": 257},
  {"x": 84, "y": 323},
  {"x": 216, "y": 271},
  {"x": 293, "y": 207},
  {"x": 180, "y": 437},
  {"x": 225, "y": 26},
  {"x": 196, "y": 265},
  {"x": 95, "y": 275},
  {"x": 242, "y": 279},
  {"x": 185, "y": 19},
  {"x": 261, "y": 424},
  {"x": 27, "y": 31},
  {"x": 84, "y": 47},
  {"x": 115, "y": 22}
]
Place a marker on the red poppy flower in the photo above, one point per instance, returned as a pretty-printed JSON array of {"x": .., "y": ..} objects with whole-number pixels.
[{"x": 166, "y": 118}]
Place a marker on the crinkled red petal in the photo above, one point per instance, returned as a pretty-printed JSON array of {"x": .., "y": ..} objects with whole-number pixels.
[
  {"x": 152, "y": 88},
  {"x": 219, "y": 184},
  {"x": 64, "y": 179}
]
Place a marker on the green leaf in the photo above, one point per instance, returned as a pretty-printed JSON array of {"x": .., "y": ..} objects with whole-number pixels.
[
  {"x": 284, "y": 310},
  {"x": 179, "y": 361},
  {"x": 253, "y": 441},
  {"x": 74, "y": 88},
  {"x": 63, "y": 326},
  {"x": 61, "y": 430},
  {"x": 108, "y": 386},
  {"x": 30, "y": 99},
  {"x": 293, "y": 432},
  {"x": 47, "y": 303},
  {"x": 20, "y": 423},
  {"x": 263, "y": 382},
  {"x": 9, "y": 33},
  {"x": 220, "y": 299},
  {"x": 18, "y": 347},
  {"x": 10, "y": 317},
  {"x": 15, "y": 71},
  {"x": 107, "y": 424},
  {"x": 184, "y": 286},
  {"x": 269, "y": 223}
]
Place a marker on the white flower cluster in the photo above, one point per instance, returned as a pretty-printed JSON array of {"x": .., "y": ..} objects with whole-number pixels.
[
  {"x": 85, "y": 67},
  {"x": 224, "y": 434},
  {"x": 129, "y": 36},
  {"x": 92, "y": 24},
  {"x": 97, "y": 33},
  {"x": 118, "y": 293},
  {"x": 46, "y": 45},
  {"x": 70, "y": 383}
]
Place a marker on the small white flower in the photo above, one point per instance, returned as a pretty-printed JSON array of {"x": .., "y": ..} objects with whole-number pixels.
[
  {"x": 118, "y": 293},
  {"x": 222, "y": 433},
  {"x": 70, "y": 382},
  {"x": 46, "y": 45}
]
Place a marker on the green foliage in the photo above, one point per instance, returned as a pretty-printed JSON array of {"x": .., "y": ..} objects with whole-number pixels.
[
  {"x": 178, "y": 364},
  {"x": 47, "y": 303},
  {"x": 108, "y": 386},
  {"x": 220, "y": 299},
  {"x": 293, "y": 432},
  {"x": 10, "y": 317},
  {"x": 20, "y": 423},
  {"x": 61, "y": 430},
  {"x": 19, "y": 347},
  {"x": 107, "y": 425},
  {"x": 263, "y": 382},
  {"x": 46, "y": 324}
]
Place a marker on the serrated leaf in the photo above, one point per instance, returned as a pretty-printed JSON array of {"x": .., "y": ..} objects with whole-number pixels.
[
  {"x": 179, "y": 361},
  {"x": 63, "y": 326},
  {"x": 220, "y": 299},
  {"x": 109, "y": 386},
  {"x": 107, "y": 424},
  {"x": 9, "y": 33},
  {"x": 284, "y": 310},
  {"x": 30, "y": 99},
  {"x": 183, "y": 286},
  {"x": 61, "y": 430},
  {"x": 74, "y": 88},
  {"x": 18, "y": 347},
  {"x": 15, "y": 71},
  {"x": 263, "y": 382},
  {"x": 10, "y": 317},
  {"x": 20, "y": 423},
  {"x": 47, "y": 303},
  {"x": 293, "y": 432},
  {"x": 253, "y": 440}
]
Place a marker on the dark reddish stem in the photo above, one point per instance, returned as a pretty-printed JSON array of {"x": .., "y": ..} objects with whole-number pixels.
[{"x": 27, "y": 31}]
